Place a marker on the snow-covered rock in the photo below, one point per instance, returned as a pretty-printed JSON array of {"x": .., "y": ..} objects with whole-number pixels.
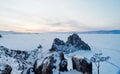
[
  {"x": 54, "y": 63},
  {"x": 82, "y": 64},
  {"x": 18, "y": 55},
  {"x": 5, "y": 69},
  {"x": 72, "y": 44},
  {"x": 76, "y": 41},
  {"x": 57, "y": 44},
  {"x": 19, "y": 60},
  {"x": 63, "y": 63}
]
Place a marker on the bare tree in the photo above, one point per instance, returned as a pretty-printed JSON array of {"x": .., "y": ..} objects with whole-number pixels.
[{"x": 97, "y": 59}]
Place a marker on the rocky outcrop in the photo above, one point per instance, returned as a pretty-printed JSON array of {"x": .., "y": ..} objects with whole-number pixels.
[
  {"x": 63, "y": 63},
  {"x": 82, "y": 64},
  {"x": 52, "y": 64},
  {"x": 76, "y": 41},
  {"x": 19, "y": 56},
  {"x": 72, "y": 44},
  {"x": 46, "y": 66},
  {"x": 22, "y": 59},
  {"x": 57, "y": 45},
  {"x": 0, "y": 36},
  {"x": 5, "y": 69}
]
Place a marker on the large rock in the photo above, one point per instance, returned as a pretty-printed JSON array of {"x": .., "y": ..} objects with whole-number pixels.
[
  {"x": 57, "y": 44},
  {"x": 0, "y": 35},
  {"x": 76, "y": 41},
  {"x": 46, "y": 67},
  {"x": 63, "y": 63},
  {"x": 82, "y": 64},
  {"x": 72, "y": 44},
  {"x": 5, "y": 69},
  {"x": 53, "y": 64}
]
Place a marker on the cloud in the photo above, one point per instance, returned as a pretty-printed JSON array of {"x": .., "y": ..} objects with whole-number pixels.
[{"x": 68, "y": 25}]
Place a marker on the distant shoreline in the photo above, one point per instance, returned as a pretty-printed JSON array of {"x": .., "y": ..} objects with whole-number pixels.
[{"x": 86, "y": 32}]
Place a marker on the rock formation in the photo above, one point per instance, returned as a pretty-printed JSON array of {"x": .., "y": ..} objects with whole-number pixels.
[
  {"x": 19, "y": 56},
  {"x": 57, "y": 45},
  {"x": 72, "y": 44},
  {"x": 5, "y": 69},
  {"x": 76, "y": 41},
  {"x": 0, "y": 36},
  {"x": 63, "y": 63},
  {"x": 82, "y": 64},
  {"x": 52, "y": 64}
]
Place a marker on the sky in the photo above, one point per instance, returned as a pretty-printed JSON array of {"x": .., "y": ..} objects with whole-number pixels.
[{"x": 59, "y": 15}]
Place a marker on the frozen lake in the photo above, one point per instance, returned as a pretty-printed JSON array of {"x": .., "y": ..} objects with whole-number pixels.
[
  {"x": 31, "y": 41},
  {"x": 108, "y": 44}
]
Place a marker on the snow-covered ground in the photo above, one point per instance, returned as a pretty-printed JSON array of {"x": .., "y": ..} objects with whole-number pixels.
[{"x": 108, "y": 44}]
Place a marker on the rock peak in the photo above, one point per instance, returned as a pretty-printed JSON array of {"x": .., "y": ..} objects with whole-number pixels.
[
  {"x": 72, "y": 44},
  {"x": 57, "y": 41},
  {"x": 74, "y": 40}
]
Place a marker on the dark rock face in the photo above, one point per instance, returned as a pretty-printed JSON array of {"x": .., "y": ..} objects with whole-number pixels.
[
  {"x": 76, "y": 41},
  {"x": 0, "y": 36},
  {"x": 63, "y": 63},
  {"x": 57, "y": 44},
  {"x": 5, "y": 69},
  {"x": 46, "y": 67},
  {"x": 81, "y": 64},
  {"x": 72, "y": 44}
]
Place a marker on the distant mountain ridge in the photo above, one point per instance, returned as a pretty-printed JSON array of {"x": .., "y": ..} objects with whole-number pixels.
[
  {"x": 94, "y": 32},
  {"x": 102, "y": 32},
  {"x": 13, "y": 32},
  {"x": 85, "y": 32}
]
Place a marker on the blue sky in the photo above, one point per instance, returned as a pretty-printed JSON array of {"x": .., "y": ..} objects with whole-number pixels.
[{"x": 59, "y": 15}]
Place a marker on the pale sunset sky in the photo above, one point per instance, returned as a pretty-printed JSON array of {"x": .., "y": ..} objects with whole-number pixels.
[{"x": 59, "y": 15}]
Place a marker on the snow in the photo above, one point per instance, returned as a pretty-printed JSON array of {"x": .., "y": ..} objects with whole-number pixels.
[
  {"x": 79, "y": 57},
  {"x": 71, "y": 72},
  {"x": 12, "y": 62},
  {"x": 2, "y": 67},
  {"x": 108, "y": 44}
]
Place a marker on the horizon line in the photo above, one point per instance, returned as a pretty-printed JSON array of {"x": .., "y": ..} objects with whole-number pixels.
[{"x": 60, "y": 31}]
